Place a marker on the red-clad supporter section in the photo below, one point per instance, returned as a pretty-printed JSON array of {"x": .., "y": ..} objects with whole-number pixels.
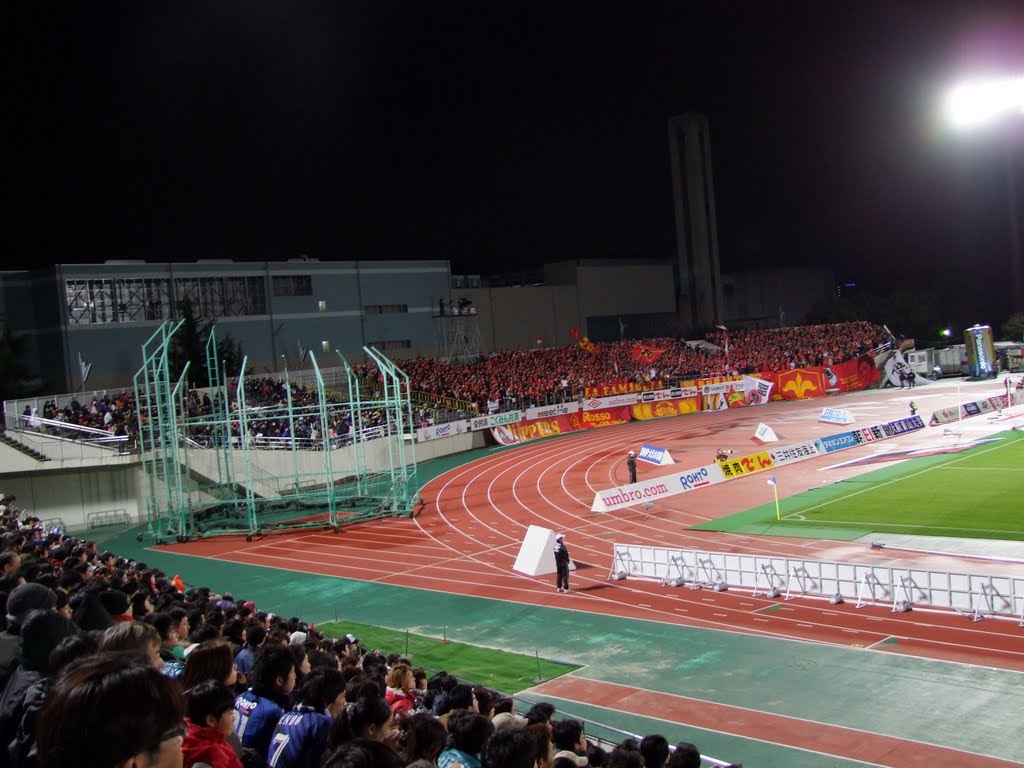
[{"x": 714, "y": 393}]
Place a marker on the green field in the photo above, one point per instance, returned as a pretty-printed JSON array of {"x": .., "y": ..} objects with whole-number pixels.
[
  {"x": 975, "y": 494},
  {"x": 500, "y": 670}
]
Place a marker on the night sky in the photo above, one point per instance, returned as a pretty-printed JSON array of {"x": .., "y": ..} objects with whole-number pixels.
[{"x": 505, "y": 135}]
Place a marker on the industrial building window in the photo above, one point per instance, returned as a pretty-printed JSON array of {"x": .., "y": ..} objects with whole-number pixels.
[
  {"x": 292, "y": 285},
  {"x": 385, "y": 309},
  {"x": 223, "y": 296},
  {"x": 322, "y": 305},
  {"x": 117, "y": 300},
  {"x": 325, "y": 346},
  {"x": 384, "y": 346}
]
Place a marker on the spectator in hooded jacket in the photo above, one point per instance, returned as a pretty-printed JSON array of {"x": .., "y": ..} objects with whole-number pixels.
[{"x": 211, "y": 718}]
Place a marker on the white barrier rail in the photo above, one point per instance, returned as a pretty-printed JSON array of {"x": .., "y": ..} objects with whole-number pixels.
[{"x": 974, "y": 595}]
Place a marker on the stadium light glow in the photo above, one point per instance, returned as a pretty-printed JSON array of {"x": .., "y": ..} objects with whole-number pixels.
[{"x": 975, "y": 102}]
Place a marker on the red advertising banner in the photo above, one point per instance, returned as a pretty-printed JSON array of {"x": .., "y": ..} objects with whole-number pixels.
[{"x": 660, "y": 408}]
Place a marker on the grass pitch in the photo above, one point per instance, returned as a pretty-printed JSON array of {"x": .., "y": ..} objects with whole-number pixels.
[{"x": 975, "y": 494}]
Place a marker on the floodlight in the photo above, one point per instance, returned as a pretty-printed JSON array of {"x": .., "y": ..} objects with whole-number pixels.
[{"x": 978, "y": 101}]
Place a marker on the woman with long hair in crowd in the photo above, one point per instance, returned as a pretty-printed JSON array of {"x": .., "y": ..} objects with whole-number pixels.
[{"x": 108, "y": 710}]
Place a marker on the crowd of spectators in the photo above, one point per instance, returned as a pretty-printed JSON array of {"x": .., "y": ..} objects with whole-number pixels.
[
  {"x": 526, "y": 377},
  {"x": 502, "y": 380},
  {"x": 105, "y": 662}
]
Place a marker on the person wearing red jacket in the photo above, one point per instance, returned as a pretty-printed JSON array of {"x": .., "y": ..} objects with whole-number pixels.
[
  {"x": 210, "y": 708},
  {"x": 399, "y": 695}
]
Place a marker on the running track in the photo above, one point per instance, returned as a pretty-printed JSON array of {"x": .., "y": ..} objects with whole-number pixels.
[{"x": 473, "y": 519}]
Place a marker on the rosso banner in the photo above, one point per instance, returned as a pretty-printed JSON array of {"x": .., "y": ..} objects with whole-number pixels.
[
  {"x": 644, "y": 411},
  {"x": 605, "y": 417}
]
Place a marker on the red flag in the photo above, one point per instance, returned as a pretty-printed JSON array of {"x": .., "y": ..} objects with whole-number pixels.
[
  {"x": 178, "y": 583},
  {"x": 645, "y": 354},
  {"x": 574, "y": 332},
  {"x": 587, "y": 345}
]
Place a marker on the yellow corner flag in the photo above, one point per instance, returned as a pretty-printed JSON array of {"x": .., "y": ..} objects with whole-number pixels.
[{"x": 775, "y": 490}]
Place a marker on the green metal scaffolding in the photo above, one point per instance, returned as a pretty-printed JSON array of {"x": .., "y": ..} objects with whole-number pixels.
[{"x": 213, "y": 472}]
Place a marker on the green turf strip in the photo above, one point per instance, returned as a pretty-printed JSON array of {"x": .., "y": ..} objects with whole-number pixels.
[
  {"x": 500, "y": 670},
  {"x": 975, "y": 494}
]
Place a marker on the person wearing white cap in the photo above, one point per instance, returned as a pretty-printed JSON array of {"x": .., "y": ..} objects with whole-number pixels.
[
  {"x": 631, "y": 465},
  {"x": 561, "y": 564}
]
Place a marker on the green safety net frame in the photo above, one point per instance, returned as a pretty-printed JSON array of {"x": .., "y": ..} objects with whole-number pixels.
[{"x": 215, "y": 473}]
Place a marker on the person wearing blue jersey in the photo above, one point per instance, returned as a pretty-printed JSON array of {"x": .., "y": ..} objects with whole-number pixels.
[
  {"x": 259, "y": 708},
  {"x": 300, "y": 737}
]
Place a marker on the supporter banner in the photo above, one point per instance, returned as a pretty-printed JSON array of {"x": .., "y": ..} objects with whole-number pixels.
[
  {"x": 605, "y": 417},
  {"x": 835, "y": 416},
  {"x": 733, "y": 392},
  {"x": 621, "y": 388},
  {"x": 852, "y": 375},
  {"x": 504, "y": 436},
  {"x": 838, "y": 442},
  {"x": 973, "y": 408},
  {"x": 479, "y": 422},
  {"x": 599, "y": 403},
  {"x": 547, "y": 411},
  {"x": 657, "y": 488},
  {"x": 437, "y": 431},
  {"x": 659, "y": 457},
  {"x": 645, "y": 411},
  {"x": 897, "y": 365},
  {"x": 759, "y": 391},
  {"x": 555, "y": 425},
  {"x": 642, "y": 353},
  {"x": 797, "y": 384}
]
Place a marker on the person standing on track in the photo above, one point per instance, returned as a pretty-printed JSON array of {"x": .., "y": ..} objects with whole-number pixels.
[
  {"x": 561, "y": 564},
  {"x": 631, "y": 465}
]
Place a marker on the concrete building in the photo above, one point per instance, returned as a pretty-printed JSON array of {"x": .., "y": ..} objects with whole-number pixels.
[{"x": 102, "y": 313}]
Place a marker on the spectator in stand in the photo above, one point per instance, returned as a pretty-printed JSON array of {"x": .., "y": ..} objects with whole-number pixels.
[
  {"x": 209, "y": 661},
  {"x": 685, "y": 755},
  {"x": 654, "y": 749},
  {"x": 541, "y": 712},
  {"x": 363, "y": 753},
  {"x": 300, "y": 738},
  {"x": 469, "y": 733},
  {"x": 399, "y": 691},
  {"x": 41, "y": 633},
  {"x": 510, "y": 748},
  {"x": 625, "y": 757},
  {"x": 424, "y": 738},
  {"x": 259, "y": 708},
  {"x": 117, "y": 604},
  {"x": 211, "y": 718},
  {"x": 107, "y": 710},
  {"x": 22, "y": 751},
  {"x": 540, "y": 735},
  {"x": 366, "y": 717},
  {"x": 134, "y": 638},
  {"x": 254, "y": 638},
  {"x": 570, "y": 741},
  {"x": 22, "y": 601}
]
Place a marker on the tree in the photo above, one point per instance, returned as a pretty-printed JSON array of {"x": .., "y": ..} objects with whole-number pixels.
[
  {"x": 189, "y": 346},
  {"x": 1013, "y": 328},
  {"x": 13, "y": 372}
]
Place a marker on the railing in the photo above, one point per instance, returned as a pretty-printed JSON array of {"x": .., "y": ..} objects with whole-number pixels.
[
  {"x": 107, "y": 517},
  {"x": 17, "y": 407},
  {"x": 69, "y": 441},
  {"x": 51, "y": 523},
  {"x": 266, "y": 443}
]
